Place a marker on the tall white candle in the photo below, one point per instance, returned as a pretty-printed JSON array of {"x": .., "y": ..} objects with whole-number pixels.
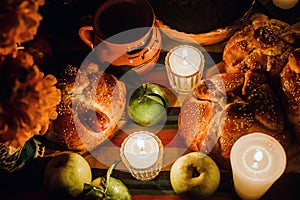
[
  {"x": 141, "y": 150},
  {"x": 257, "y": 161},
  {"x": 184, "y": 64}
]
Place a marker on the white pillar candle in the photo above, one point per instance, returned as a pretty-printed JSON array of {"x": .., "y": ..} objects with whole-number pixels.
[
  {"x": 142, "y": 153},
  {"x": 285, "y": 4},
  {"x": 257, "y": 161},
  {"x": 184, "y": 65}
]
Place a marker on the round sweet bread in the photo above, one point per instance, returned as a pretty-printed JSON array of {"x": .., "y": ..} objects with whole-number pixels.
[
  {"x": 290, "y": 82},
  {"x": 264, "y": 44},
  {"x": 92, "y": 103},
  {"x": 258, "y": 91},
  {"x": 225, "y": 107}
]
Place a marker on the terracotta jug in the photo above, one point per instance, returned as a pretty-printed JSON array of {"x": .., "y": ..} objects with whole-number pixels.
[{"x": 124, "y": 34}]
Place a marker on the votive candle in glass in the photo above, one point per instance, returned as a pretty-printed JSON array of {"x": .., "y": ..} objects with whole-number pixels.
[
  {"x": 184, "y": 66},
  {"x": 142, "y": 154}
]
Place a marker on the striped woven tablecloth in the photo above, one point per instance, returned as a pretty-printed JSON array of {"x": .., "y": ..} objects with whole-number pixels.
[
  {"x": 160, "y": 187},
  {"x": 287, "y": 187}
]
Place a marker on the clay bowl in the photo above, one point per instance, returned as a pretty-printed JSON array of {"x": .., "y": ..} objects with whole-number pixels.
[{"x": 205, "y": 22}]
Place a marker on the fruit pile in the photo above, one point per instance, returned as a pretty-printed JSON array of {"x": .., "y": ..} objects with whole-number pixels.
[{"x": 69, "y": 175}]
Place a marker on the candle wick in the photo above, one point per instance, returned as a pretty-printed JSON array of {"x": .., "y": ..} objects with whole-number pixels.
[
  {"x": 142, "y": 151},
  {"x": 185, "y": 60},
  {"x": 255, "y": 164}
]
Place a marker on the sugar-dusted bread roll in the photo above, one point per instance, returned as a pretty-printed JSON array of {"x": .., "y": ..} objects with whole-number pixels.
[
  {"x": 263, "y": 44},
  {"x": 290, "y": 82},
  {"x": 92, "y": 103},
  {"x": 225, "y": 107}
]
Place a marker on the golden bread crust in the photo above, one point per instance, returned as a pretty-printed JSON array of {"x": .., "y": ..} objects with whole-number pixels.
[
  {"x": 290, "y": 81},
  {"x": 215, "y": 116},
  {"x": 264, "y": 44},
  {"x": 92, "y": 104}
]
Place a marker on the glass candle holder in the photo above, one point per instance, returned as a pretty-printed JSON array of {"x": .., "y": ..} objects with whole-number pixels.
[
  {"x": 184, "y": 65},
  {"x": 257, "y": 161},
  {"x": 142, "y": 154}
]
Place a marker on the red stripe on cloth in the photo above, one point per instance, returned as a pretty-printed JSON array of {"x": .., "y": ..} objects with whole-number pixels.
[
  {"x": 151, "y": 197},
  {"x": 168, "y": 137}
]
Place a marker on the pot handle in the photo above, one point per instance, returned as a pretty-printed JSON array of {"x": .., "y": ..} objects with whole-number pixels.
[{"x": 86, "y": 36}]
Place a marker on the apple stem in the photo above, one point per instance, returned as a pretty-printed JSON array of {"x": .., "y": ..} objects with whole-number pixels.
[
  {"x": 108, "y": 173},
  {"x": 144, "y": 93}
]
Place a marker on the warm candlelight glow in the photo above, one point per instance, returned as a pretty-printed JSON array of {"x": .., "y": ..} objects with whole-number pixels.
[
  {"x": 185, "y": 56},
  {"x": 141, "y": 150},
  {"x": 141, "y": 145},
  {"x": 184, "y": 66},
  {"x": 142, "y": 153},
  {"x": 257, "y": 161}
]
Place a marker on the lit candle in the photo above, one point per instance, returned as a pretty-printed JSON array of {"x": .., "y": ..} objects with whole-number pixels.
[
  {"x": 257, "y": 161},
  {"x": 141, "y": 150},
  {"x": 142, "y": 153},
  {"x": 184, "y": 65},
  {"x": 285, "y": 4}
]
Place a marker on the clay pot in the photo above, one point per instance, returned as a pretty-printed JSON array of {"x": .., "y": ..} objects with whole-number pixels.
[
  {"x": 205, "y": 22},
  {"x": 124, "y": 34}
]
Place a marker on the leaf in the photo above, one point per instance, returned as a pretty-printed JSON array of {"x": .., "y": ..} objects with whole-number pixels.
[
  {"x": 92, "y": 192},
  {"x": 158, "y": 98}
]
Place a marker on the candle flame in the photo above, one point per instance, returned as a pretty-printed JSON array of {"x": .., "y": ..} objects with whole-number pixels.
[
  {"x": 185, "y": 56},
  {"x": 141, "y": 144},
  {"x": 184, "y": 53},
  {"x": 257, "y": 157}
]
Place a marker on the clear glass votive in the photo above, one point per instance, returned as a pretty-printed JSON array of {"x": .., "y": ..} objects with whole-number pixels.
[
  {"x": 184, "y": 65},
  {"x": 142, "y": 154},
  {"x": 257, "y": 161}
]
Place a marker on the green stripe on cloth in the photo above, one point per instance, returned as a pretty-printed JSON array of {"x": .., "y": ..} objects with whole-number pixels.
[
  {"x": 161, "y": 188},
  {"x": 151, "y": 197}
]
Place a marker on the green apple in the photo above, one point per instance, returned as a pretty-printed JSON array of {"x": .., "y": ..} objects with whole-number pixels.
[
  {"x": 195, "y": 175},
  {"x": 106, "y": 187},
  {"x": 114, "y": 190},
  {"x": 66, "y": 174},
  {"x": 148, "y": 105}
]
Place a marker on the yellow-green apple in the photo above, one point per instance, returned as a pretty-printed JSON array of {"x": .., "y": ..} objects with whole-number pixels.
[
  {"x": 66, "y": 174},
  {"x": 114, "y": 190},
  {"x": 147, "y": 105},
  {"x": 106, "y": 187},
  {"x": 195, "y": 175}
]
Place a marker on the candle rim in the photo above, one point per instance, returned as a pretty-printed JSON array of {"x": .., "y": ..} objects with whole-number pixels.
[
  {"x": 281, "y": 150},
  {"x": 159, "y": 152},
  {"x": 138, "y": 138},
  {"x": 201, "y": 64}
]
